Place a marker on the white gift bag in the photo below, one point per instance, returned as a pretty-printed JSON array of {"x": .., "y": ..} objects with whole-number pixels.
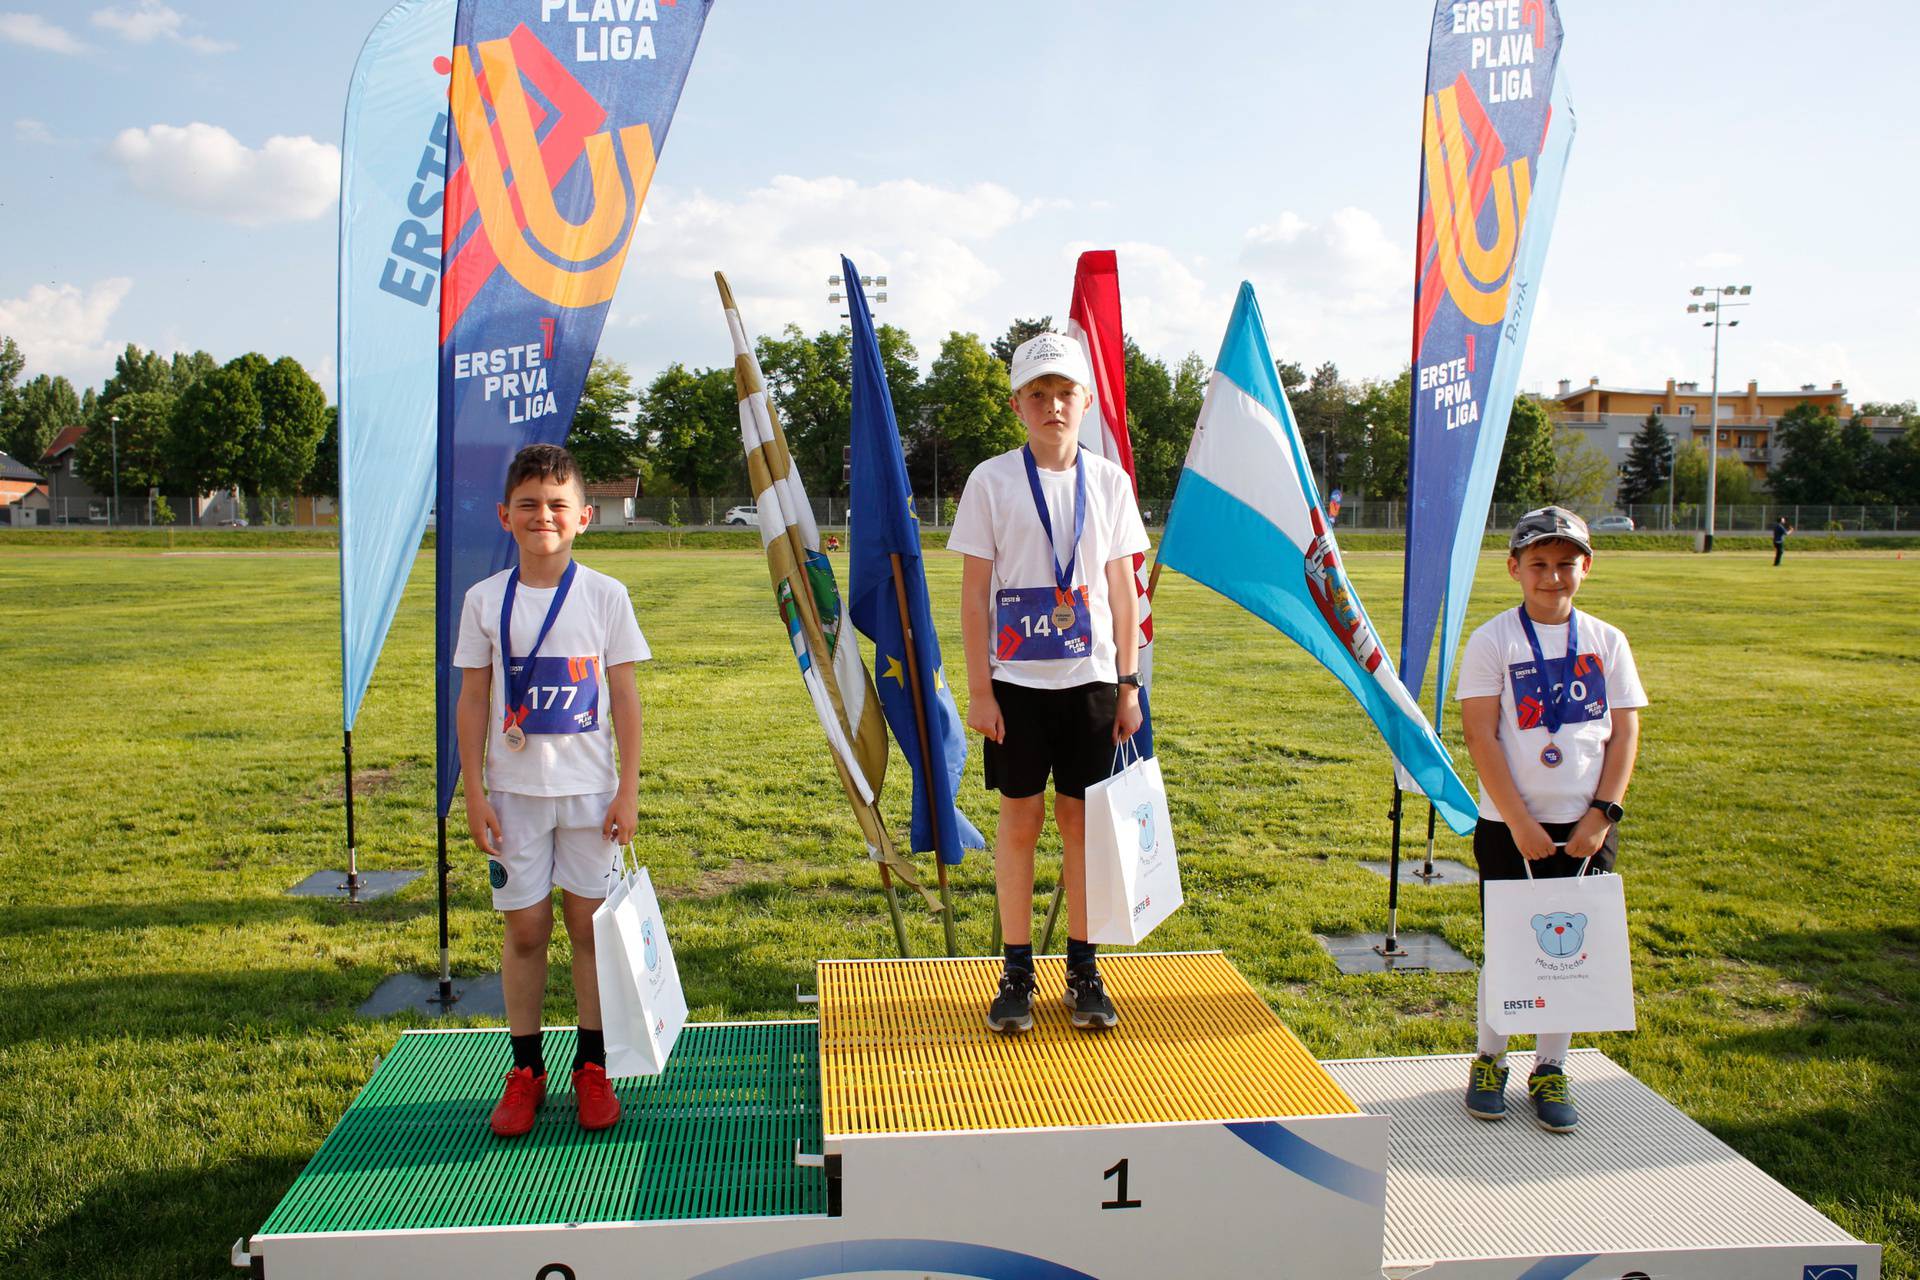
[
  {"x": 641, "y": 1005},
  {"x": 1557, "y": 955},
  {"x": 1133, "y": 875}
]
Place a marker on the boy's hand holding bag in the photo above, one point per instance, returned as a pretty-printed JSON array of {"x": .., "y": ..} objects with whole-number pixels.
[
  {"x": 1133, "y": 875},
  {"x": 642, "y": 1007},
  {"x": 1557, "y": 955}
]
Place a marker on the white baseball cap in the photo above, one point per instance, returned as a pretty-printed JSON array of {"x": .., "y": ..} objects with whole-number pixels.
[{"x": 1046, "y": 353}]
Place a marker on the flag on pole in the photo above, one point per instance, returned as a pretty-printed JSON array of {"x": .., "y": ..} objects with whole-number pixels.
[
  {"x": 552, "y": 148},
  {"x": 393, "y": 153},
  {"x": 1093, "y": 320},
  {"x": 1246, "y": 521},
  {"x": 809, "y": 599},
  {"x": 886, "y": 563},
  {"x": 1494, "y": 144}
]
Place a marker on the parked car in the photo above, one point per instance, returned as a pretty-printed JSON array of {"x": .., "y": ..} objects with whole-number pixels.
[
  {"x": 744, "y": 516},
  {"x": 1613, "y": 524}
]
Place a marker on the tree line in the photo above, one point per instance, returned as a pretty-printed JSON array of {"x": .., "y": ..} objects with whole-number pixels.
[
  {"x": 1822, "y": 462},
  {"x": 182, "y": 425},
  {"x": 681, "y": 431}
]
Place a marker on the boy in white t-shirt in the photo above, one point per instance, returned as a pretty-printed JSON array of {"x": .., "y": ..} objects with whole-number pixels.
[
  {"x": 1549, "y": 700},
  {"x": 1048, "y": 617},
  {"x": 543, "y": 700}
]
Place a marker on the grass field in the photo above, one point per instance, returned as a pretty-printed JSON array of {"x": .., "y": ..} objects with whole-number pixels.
[{"x": 177, "y": 1035}]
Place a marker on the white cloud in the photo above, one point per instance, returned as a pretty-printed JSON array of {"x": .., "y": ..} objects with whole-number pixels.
[
  {"x": 780, "y": 242},
  {"x": 204, "y": 168},
  {"x": 63, "y": 329},
  {"x": 36, "y": 32},
  {"x": 1338, "y": 289},
  {"x": 150, "y": 20},
  {"x": 1719, "y": 260},
  {"x": 27, "y": 130}
]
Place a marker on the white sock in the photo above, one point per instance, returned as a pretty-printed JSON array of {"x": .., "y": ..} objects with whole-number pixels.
[
  {"x": 1552, "y": 1049},
  {"x": 1490, "y": 1042}
]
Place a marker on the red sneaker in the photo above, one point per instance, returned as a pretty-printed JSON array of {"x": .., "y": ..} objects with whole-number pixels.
[
  {"x": 514, "y": 1113},
  {"x": 599, "y": 1109}
]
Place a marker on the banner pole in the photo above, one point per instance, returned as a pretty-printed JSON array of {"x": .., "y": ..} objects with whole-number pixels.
[
  {"x": 926, "y": 753},
  {"x": 1390, "y": 947},
  {"x": 1053, "y": 911},
  {"x": 1153, "y": 579},
  {"x": 446, "y": 965},
  {"x": 353, "y": 853},
  {"x": 1426, "y": 870}
]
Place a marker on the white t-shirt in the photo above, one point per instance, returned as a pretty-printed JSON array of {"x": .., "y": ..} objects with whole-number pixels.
[
  {"x": 594, "y": 631},
  {"x": 1498, "y": 660},
  {"x": 997, "y": 521}
]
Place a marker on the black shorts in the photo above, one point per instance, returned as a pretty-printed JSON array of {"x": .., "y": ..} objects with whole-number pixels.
[
  {"x": 1065, "y": 732},
  {"x": 1499, "y": 858}
]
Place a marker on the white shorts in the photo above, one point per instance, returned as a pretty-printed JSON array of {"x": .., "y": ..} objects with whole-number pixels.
[{"x": 549, "y": 840}]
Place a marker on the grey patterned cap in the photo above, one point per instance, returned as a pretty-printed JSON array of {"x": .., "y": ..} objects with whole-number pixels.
[{"x": 1550, "y": 522}]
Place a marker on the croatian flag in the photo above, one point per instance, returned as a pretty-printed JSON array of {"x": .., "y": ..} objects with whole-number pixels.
[
  {"x": 1246, "y": 521},
  {"x": 1093, "y": 320}
]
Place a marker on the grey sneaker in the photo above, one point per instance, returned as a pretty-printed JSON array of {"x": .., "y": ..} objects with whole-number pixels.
[
  {"x": 1552, "y": 1099},
  {"x": 1012, "y": 1007},
  {"x": 1487, "y": 1089},
  {"x": 1086, "y": 996}
]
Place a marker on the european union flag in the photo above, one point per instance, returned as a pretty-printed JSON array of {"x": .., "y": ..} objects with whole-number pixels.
[{"x": 886, "y": 563}]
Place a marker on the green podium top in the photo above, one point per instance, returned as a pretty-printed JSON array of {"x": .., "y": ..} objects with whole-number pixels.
[{"x": 712, "y": 1137}]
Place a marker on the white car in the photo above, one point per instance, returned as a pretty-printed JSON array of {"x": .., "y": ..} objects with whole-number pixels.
[
  {"x": 744, "y": 516},
  {"x": 1613, "y": 524}
]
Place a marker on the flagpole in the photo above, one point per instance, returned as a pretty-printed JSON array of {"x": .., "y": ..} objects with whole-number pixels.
[
  {"x": 353, "y": 852},
  {"x": 926, "y": 752},
  {"x": 1389, "y": 946},
  {"x": 446, "y": 964},
  {"x": 893, "y": 909}
]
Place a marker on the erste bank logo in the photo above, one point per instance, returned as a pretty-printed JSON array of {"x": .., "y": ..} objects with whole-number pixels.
[{"x": 523, "y": 121}]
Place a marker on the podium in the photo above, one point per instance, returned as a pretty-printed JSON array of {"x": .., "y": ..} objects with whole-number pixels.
[{"x": 897, "y": 1137}]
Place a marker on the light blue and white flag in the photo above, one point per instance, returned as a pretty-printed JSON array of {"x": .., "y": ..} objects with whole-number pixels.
[
  {"x": 393, "y": 169},
  {"x": 1246, "y": 521}
]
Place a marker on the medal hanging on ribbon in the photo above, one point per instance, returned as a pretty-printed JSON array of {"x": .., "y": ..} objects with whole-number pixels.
[
  {"x": 517, "y": 680},
  {"x": 1553, "y": 697},
  {"x": 1063, "y": 612}
]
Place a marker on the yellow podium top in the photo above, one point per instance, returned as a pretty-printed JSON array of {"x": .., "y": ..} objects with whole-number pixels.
[{"x": 904, "y": 1048}]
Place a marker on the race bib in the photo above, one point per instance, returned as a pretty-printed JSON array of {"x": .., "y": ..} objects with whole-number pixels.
[
  {"x": 1585, "y": 696},
  {"x": 1026, "y": 629},
  {"x": 562, "y": 697}
]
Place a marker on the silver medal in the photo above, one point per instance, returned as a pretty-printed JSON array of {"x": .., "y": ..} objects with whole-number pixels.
[{"x": 515, "y": 737}]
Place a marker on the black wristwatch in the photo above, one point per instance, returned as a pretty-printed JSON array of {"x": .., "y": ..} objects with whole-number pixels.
[
  {"x": 1132, "y": 678},
  {"x": 1613, "y": 811}
]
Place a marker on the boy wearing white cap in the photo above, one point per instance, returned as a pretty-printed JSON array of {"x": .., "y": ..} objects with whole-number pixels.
[{"x": 1048, "y": 617}]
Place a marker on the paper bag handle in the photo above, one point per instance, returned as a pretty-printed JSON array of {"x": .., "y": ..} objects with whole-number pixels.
[
  {"x": 1120, "y": 760},
  {"x": 1560, "y": 845}
]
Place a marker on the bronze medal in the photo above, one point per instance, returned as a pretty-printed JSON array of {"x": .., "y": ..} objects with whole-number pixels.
[
  {"x": 1550, "y": 755},
  {"x": 1062, "y": 616}
]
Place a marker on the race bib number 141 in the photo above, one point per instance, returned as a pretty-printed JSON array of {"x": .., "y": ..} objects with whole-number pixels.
[{"x": 1030, "y": 624}]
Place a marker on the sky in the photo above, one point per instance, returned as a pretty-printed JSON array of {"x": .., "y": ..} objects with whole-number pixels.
[{"x": 169, "y": 176}]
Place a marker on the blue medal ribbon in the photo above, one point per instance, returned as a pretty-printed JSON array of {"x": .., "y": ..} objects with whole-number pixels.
[
  {"x": 516, "y": 689},
  {"x": 1554, "y": 708},
  {"x": 1062, "y": 578}
]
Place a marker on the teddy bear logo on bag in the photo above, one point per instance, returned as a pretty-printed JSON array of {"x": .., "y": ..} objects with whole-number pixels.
[
  {"x": 1143, "y": 815},
  {"x": 1559, "y": 933}
]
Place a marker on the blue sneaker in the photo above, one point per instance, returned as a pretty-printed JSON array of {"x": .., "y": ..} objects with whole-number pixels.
[
  {"x": 1552, "y": 1101},
  {"x": 1487, "y": 1089}
]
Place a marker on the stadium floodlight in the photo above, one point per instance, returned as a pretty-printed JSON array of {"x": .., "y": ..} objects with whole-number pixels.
[
  {"x": 881, "y": 296},
  {"x": 1697, "y": 289},
  {"x": 1746, "y": 289},
  {"x": 881, "y": 281},
  {"x": 1692, "y": 307},
  {"x": 836, "y": 280},
  {"x": 834, "y": 297},
  {"x": 1720, "y": 294}
]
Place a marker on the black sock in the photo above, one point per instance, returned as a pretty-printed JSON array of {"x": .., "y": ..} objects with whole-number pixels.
[
  {"x": 1020, "y": 956},
  {"x": 526, "y": 1053},
  {"x": 1079, "y": 954},
  {"x": 591, "y": 1048}
]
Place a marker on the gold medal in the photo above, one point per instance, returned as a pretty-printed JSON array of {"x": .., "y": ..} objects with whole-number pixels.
[
  {"x": 1062, "y": 616},
  {"x": 515, "y": 737}
]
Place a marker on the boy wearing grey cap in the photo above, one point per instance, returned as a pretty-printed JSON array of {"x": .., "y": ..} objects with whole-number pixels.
[{"x": 1549, "y": 701}]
